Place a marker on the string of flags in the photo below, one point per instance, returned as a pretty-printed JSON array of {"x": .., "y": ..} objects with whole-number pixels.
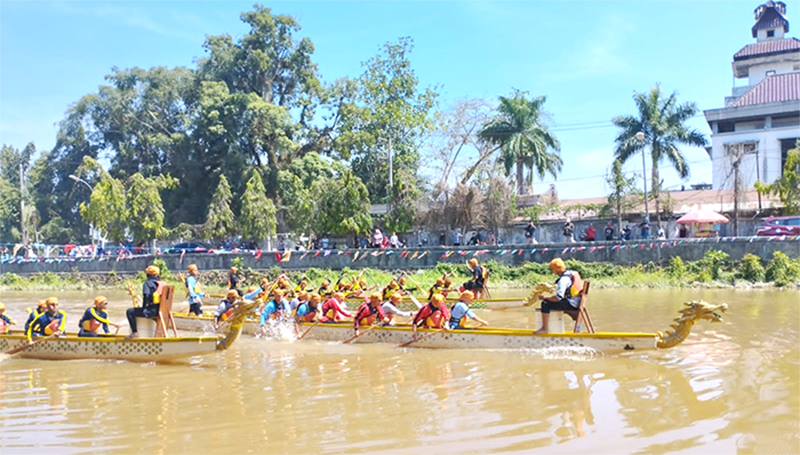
[{"x": 416, "y": 255}]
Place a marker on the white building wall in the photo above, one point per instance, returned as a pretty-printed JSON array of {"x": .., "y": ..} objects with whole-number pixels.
[
  {"x": 769, "y": 155},
  {"x": 757, "y": 73},
  {"x": 761, "y": 35}
]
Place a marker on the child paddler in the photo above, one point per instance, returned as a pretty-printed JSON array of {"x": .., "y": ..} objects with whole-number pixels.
[
  {"x": 325, "y": 291},
  {"x": 234, "y": 281},
  {"x": 440, "y": 287},
  {"x": 193, "y": 290},
  {"x": 332, "y": 310},
  {"x": 368, "y": 312},
  {"x": 5, "y": 321},
  {"x": 151, "y": 299},
  {"x": 392, "y": 308},
  {"x": 393, "y": 286},
  {"x": 307, "y": 311},
  {"x": 51, "y": 322},
  {"x": 41, "y": 307},
  {"x": 225, "y": 308},
  {"x": 460, "y": 312},
  {"x": 94, "y": 318}
]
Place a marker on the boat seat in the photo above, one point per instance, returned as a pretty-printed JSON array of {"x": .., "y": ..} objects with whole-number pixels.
[
  {"x": 165, "y": 321},
  {"x": 581, "y": 315}
]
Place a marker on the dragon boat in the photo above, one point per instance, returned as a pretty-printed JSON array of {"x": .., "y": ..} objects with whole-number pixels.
[
  {"x": 118, "y": 347},
  {"x": 495, "y": 338},
  {"x": 481, "y": 304}
]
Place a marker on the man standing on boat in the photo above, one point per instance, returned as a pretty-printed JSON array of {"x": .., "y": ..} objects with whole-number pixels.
[
  {"x": 479, "y": 274},
  {"x": 567, "y": 299},
  {"x": 193, "y": 290},
  {"x": 51, "y": 322},
  {"x": 151, "y": 299},
  {"x": 95, "y": 317},
  {"x": 460, "y": 312}
]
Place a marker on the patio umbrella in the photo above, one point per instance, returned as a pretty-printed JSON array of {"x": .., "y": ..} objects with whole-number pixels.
[{"x": 702, "y": 216}]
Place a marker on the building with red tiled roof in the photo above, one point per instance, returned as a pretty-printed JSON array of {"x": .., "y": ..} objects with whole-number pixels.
[{"x": 760, "y": 122}]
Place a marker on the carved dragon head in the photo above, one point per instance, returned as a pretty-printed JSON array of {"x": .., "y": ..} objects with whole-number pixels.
[
  {"x": 702, "y": 310},
  {"x": 541, "y": 288}
]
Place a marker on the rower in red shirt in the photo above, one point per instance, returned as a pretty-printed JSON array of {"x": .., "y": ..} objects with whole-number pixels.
[
  {"x": 368, "y": 311},
  {"x": 434, "y": 315},
  {"x": 332, "y": 310}
]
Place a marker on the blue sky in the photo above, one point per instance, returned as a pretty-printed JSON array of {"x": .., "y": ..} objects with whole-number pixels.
[{"x": 588, "y": 58}]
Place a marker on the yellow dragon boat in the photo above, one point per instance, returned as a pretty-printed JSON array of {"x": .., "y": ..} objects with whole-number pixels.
[
  {"x": 118, "y": 347},
  {"x": 491, "y": 337}
]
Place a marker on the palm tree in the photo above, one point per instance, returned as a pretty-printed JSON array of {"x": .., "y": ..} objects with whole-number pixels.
[
  {"x": 662, "y": 120},
  {"x": 523, "y": 140}
]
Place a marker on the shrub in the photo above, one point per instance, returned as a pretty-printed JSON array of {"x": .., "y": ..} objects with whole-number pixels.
[
  {"x": 750, "y": 268},
  {"x": 11, "y": 279},
  {"x": 238, "y": 262},
  {"x": 676, "y": 267},
  {"x": 713, "y": 262},
  {"x": 782, "y": 270},
  {"x": 162, "y": 266}
]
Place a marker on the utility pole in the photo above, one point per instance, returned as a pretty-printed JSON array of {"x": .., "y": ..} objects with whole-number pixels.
[
  {"x": 22, "y": 203},
  {"x": 391, "y": 177}
]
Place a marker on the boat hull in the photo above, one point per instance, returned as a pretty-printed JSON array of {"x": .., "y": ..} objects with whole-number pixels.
[
  {"x": 487, "y": 304},
  {"x": 111, "y": 347}
]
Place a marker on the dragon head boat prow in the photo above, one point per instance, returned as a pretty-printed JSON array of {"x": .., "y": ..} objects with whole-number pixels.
[
  {"x": 541, "y": 288},
  {"x": 693, "y": 312},
  {"x": 242, "y": 310}
]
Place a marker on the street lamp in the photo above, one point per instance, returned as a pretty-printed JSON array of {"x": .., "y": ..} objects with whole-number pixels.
[
  {"x": 78, "y": 179},
  {"x": 640, "y": 137}
]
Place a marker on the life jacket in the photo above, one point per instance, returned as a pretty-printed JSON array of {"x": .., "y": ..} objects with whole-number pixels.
[
  {"x": 460, "y": 321},
  {"x": 576, "y": 288},
  {"x": 228, "y": 312},
  {"x": 309, "y": 316},
  {"x": 52, "y": 327},
  {"x": 369, "y": 319},
  {"x": 91, "y": 324},
  {"x": 3, "y": 326},
  {"x": 278, "y": 310}
]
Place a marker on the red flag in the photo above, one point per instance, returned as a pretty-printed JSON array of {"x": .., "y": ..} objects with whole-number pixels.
[{"x": 258, "y": 254}]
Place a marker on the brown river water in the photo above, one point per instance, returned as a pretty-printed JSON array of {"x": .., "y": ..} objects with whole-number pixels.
[{"x": 730, "y": 388}]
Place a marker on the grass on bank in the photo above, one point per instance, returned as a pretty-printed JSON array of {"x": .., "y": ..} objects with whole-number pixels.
[{"x": 714, "y": 270}]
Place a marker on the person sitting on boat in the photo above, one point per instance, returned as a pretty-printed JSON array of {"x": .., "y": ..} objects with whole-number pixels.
[
  {"x": 368, "y": 312},
  {"x": 440, "y": 287},
  {"x": 478, "y": 280},
  {"x": 325, "y": 290},
  {"x": 95, "y": 317},
  {"x": 234, "y": 281},
  {"x": 307, "y": 311},
  {"x": 5, "y": 321},
  {"x": 568, "y": 294},
  {"x": 51, "y": 322},
  {"x": 301, "y": 298},
  {"x": 434, "y": 315},
  {"x": 332, "y": 310},
  {"x": 460, "y": 312},
  {"x": 392, "y": 308},
  {"x": 193, "y": 290},
  {"x": 226, "y": 307},
  {"x": 276, "y": 308},
  {"x": 395, "y": 285},
  {"x": 301, "y": 286},
  {"x": 41, "y": 307},
  {"x": 151, "y": 299}
]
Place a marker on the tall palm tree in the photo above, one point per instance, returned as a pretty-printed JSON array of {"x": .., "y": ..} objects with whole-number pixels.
[
  {"x": 523, "y": 139},
  {"x": 662, "y": 120}
]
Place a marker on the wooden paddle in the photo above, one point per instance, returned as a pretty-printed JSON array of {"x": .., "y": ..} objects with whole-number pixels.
[
  {"x": 308, "y": 330},
  {"x": 19, "y": 349},
  {"x": 359, "y": 334},
  {"x": 409, "y": 343}
]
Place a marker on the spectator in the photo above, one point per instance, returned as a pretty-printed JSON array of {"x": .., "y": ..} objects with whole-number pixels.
[
  {"x": 394, "y": 242},
  {"x": 591, "y": 233},
  {"x": 530, "y": 231},
  {"x": 457, "y": 236},
  {"x": 626, "y": 233},
  {"x": 491, "y": 240},
  {"x": 645, "y": 228},
  {"x": 609, "y": 231},
  {"x": 683, "y": 232},
  {"x": 377, "y": 238},
  {"x": 324, "y": 242},
  {"x": 568, "y": 231},
  {"x": 442, "y": 239},
  {"x": 473, "y": 240},
  {"x": 661, "y": 234}
]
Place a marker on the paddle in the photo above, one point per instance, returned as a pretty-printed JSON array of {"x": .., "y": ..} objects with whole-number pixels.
[
  {"x": 409, "y": 343},
  {"x": 359, "y": 334},
  {"x": 308, "y": 330},
  {"x": 19, "y": 349}
]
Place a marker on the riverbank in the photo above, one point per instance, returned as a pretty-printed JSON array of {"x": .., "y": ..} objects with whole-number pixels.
[{"x": 715, "y": 270}]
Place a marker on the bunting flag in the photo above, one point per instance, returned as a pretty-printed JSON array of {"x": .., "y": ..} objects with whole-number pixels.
[
  {"x": 347, "y": 254},
  {"x": 355, "y": 256},
  {"x": 519, "y": 253},
  {"x": 423, "y": 255},
  {"x": 545, "y": 250},
  {"x": 533, "y": 251},
  {"x": 462, "y": 252},
  {"x": 591, "y": 250},
  {"x": 414, "y": 256},
  {"x": 278, "y": 256},
  {"x": 327, "y": 253},
  {"x": 286, "y": 256},
  {"x": 304, "y": 255},
  {"x": 258, "y": 254},
  {"x": 181, "y": 260},
  {"x": 317, "y": 253},
  {"x": 445, "y": 255},
  {"x": 565, "y": 250}
]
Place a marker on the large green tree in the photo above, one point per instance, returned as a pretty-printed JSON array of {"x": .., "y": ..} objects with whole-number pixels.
[
  {"x": 21, "y": 218},
  {"x": 662, "y": 120},
  {"x": 343, "y": 205},
  {"x": 258, "y": 211},
  {"x": 220, "y": 220},
  {"x": 787, "y": 187},
  {"x": 518, "y": 130}
]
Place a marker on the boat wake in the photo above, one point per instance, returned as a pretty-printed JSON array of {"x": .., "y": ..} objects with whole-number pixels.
[{"x": 577, "y": 353}]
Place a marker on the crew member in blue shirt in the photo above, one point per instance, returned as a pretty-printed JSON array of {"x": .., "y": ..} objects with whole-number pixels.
[{"x": 460, "y": 312}]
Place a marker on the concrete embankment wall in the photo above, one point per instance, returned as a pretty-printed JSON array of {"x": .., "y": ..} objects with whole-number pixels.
[{"x": 613, "y": 252}]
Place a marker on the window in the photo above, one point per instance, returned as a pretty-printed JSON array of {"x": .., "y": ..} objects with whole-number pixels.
[
  {"x": 770, "y": 73},
  {"x": 793, "y": 222},
  {"x": 770, "y": 33},
  {"x": 745, "y": 148}
]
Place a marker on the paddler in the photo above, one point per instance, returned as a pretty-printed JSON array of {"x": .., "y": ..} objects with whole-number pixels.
[
  {"x": 301, "y": 297},
  {"x": 460, "y": 311},
  {"x": 569, "y": 287},
  {"x": 226, "y": 307},
  {"x": 193, "y": 290},
  {"x": 392, "y": 308},
  {"x": 307, "y": 311},
  {"x": 325, "y": 290},
  {"x": 151, "y": 299},
  {"x": 41, "y": 307},
  {"x": 478, "y": 280},
  {"x": 51, "y": 322},
  {"x": 393, "y": 286},
  {"x": 332, "y": 310},
  {"x": 95, "y": 317},
  {"x": 434, "y": 315},
  {"x": 440, "y": 287},
  {"x": 234, "y": 280},
  {"x": 368, "y": 312},
  {"x": 5, "y": 321},
  {"x": 301, "y": 286}
]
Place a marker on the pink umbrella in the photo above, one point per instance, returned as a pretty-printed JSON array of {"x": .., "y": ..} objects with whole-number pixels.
[{"x": 702, "y": 216}]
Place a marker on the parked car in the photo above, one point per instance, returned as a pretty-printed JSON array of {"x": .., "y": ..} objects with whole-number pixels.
[
  {"x": 189, "y": 247},
  {"x": 780, "y": 225}
]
